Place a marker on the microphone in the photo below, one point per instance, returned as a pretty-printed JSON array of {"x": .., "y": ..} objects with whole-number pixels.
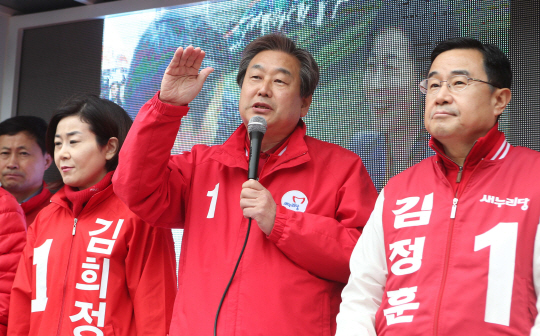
[{"x": 256, "y": 129}]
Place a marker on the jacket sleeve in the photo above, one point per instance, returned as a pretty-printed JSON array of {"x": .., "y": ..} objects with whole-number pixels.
[
  {"x": 148, "y": 179},
  {"x": 21, "y": 293},
  {"x": 12, "y": 241},
  {"x": 323, "y": 245},
  {"x": 362, "y": 296},
  {"x": 151, "y": 278},
  {"x": 535, "y": 331}
]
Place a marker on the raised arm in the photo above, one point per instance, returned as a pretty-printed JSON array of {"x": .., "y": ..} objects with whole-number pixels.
[{"x": 151, "y": 182}]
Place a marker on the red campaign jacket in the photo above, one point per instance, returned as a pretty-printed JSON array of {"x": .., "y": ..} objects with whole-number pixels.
[
  {"x": 34, "y": 205},
  {"x": 12, "y": 241},
  {"x": 288, "y": 283},
  {"x": 443, "y": 257},
  {"x": 109, "y": 274}
]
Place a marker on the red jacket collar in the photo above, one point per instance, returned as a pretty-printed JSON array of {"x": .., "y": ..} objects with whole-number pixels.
[
  {"x": 278, "y": 149},
  {"x": 61, "y": 198},
  {"x": 37, "y": 200},
  {"x": 492, "y": 146},
  {"x": 79, "y": 198},
  {"x": 233, "y": 152}
]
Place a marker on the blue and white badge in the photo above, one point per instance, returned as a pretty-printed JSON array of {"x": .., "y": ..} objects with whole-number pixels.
[{"x": 295, "y": 200}]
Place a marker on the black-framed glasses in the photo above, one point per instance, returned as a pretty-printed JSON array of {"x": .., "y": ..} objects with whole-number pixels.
[{"x": 455, "y": 84}]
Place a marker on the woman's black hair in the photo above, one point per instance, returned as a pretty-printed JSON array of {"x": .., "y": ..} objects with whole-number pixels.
[{"x": 106, "y": 120}]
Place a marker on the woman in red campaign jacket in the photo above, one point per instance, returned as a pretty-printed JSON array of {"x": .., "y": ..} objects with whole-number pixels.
[
  {"x": 12, "y": 240},
  {"x": 99, "y": 269}
]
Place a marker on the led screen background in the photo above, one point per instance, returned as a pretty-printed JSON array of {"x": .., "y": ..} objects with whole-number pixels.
[{"x": 372, "y": 54}]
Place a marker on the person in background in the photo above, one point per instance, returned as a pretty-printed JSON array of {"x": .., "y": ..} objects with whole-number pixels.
[
  {"x": 99, "y": 269},
  {"x": 23, "y": 162},
  {"x": 394, "y": 138},
  {"x": 12, "y": 241},
  {"x": 308, "y": 206},
  {"x": 452, "y": 247}
]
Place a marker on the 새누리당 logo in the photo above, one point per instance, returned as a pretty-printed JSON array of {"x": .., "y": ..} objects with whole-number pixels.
[{"x": 295, "y": 200}]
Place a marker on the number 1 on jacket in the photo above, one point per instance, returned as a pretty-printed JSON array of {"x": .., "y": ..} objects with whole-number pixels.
[
  {"x": 502, "y": 240},
  {"x": 214, "y": 195},
  {"x": 41, "y": 257}
]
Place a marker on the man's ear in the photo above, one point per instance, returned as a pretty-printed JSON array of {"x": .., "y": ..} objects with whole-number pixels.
[
  {"x": 111, "y": 148},
  {"x": 48, "y": 160},
  {"x": 306, "y": 103},
  {"x": 501, "y": 98}
]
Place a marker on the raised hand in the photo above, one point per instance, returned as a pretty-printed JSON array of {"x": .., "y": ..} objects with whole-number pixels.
[{"x": 182, "y": 81}]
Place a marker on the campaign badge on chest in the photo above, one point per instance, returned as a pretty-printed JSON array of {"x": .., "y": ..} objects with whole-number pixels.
[{"x": 295, "y": 200}]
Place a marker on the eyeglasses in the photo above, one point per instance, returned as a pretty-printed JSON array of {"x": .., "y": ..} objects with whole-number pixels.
[{"x": 455, "y": 84}]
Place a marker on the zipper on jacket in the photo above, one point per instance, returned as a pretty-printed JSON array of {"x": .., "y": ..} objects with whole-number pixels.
[
  {"x": 454, "y": 208},
  {"x": 455, "y": 200},
  {"x": 458, "y": 179},
  {"x": 446, "y": 257},
  {"x": 448, "y": 241},
  {"x": 58, "y": 332},
  {"x": 74, "y": 226}
]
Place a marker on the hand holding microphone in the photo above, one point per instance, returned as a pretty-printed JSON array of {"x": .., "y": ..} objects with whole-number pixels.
[{"x": 255, "y": 200}]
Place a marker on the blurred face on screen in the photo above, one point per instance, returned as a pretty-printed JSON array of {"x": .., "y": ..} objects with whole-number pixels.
[
  {"x": 466, "y": 115},
  {"x": 271, "y": 89},
  {"x": 390, "y": 80},
  {"x": 77, "y": 154},
  {"x": 22, "y": 165}
]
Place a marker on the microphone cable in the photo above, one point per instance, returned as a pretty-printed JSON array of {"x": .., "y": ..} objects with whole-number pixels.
[
  {"x": 232, "y": 277},
  {"x": 256, "y": 129}
]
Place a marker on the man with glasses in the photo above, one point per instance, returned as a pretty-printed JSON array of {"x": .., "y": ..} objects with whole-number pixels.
[{"x": 451, "y": 247}]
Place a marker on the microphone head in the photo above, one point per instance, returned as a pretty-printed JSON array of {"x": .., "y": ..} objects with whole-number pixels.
[{"x": 257, "y": 124}]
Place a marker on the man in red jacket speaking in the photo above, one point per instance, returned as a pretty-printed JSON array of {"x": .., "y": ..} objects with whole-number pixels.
[
  {"x": 309, "y": 205},
  {"x": 452, "y": 247}
]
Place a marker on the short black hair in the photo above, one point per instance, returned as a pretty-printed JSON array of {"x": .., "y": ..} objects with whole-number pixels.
[
  {"x": 106, "y": 120},
  {"x": 33, "y": 126},
  {"x": 415, "y": 21},
  {"x": 309, "y": 70},
  {"x": 496, "y": 64}
]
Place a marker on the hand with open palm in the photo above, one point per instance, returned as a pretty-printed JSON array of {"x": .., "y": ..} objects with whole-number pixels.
[{"x": 182, "y": 80}]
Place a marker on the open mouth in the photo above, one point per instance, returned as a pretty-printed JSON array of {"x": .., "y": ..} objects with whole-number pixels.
[{"x": 262, "y": 106}]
